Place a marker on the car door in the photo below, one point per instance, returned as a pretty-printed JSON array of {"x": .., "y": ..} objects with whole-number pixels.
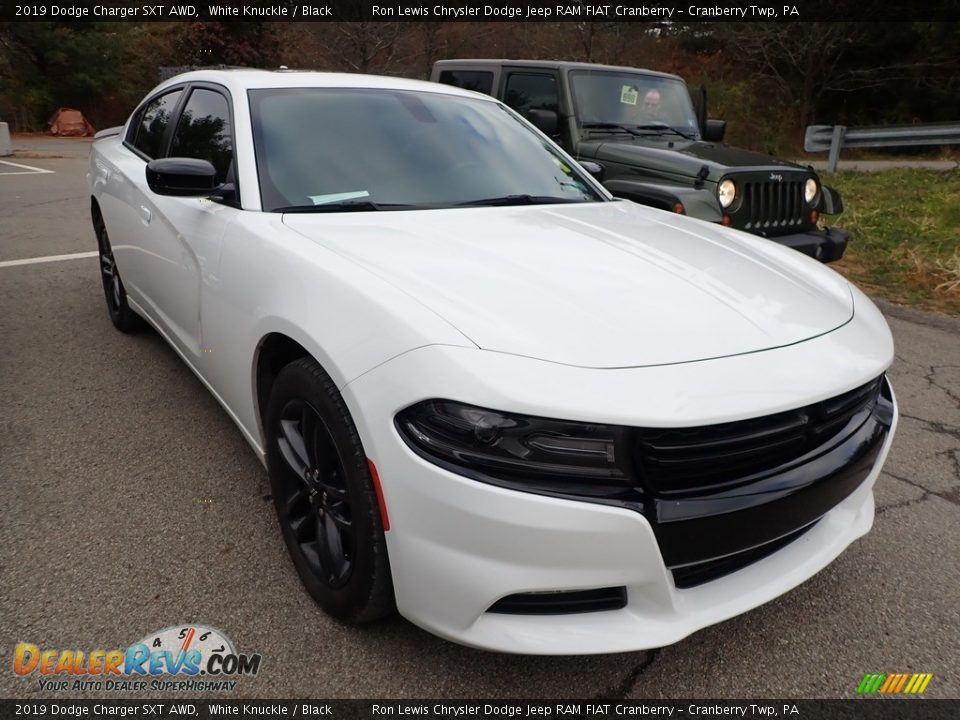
[
  {"x": 189, "y": 230},
  {"x": 126, "y": 202}
]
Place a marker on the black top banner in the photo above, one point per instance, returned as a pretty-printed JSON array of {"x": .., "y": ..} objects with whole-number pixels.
[
  {"x": 596, "y": 709},
  {"x": 664, "y": 11}
]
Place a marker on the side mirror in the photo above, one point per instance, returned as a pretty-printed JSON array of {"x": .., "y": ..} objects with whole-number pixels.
[
  {"x": 182, "y": 177},
  {"x": 714, "y": 130},
  {"x": 595, "y": 169},
  {"x": 546, "y": 121}
]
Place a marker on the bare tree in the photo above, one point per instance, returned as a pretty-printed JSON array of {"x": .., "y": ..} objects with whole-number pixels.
[
  {"x": 440, "y": 40},
  {"x": 808, "y": 60},
  {"x": 359, "y": 46}
]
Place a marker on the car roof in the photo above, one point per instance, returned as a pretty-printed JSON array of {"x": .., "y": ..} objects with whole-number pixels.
[
  {"x": 240, "y": 80},
  {"x": 558, "y": 64}
]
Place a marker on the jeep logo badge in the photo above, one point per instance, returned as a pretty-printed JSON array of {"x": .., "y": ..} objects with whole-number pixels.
[{"x": 776, "y": 177}]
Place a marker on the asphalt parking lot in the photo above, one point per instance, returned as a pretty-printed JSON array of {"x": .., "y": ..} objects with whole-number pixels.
[{"x": 132, "y": 503}]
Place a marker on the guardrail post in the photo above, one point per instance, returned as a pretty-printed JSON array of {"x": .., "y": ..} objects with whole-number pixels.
[
  {"x": 836, "y": 142},
  {"x": 6, "y": 147}
]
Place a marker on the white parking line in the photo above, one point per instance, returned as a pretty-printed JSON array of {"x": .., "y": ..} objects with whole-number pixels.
[
  {"x": 25, "y": 169},
  {"x": 48, "y": 258}
]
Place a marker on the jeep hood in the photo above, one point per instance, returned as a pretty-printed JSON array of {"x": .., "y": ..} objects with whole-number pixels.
[
  {"x": 684, "y": 158},
  {"x": 596, "y": 284}
]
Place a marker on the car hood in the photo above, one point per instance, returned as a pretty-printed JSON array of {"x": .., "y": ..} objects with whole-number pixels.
[
  {"x": 595, "y": 284},
  {"x": 677, "y": 156}
]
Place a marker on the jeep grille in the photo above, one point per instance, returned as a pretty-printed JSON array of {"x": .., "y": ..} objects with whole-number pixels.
[{"x": 772, "y": 205}]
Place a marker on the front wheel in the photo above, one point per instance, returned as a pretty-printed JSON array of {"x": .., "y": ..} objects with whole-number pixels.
[
  {"x": 122, "y": 317},
  {"x": 324, "y": 496}
]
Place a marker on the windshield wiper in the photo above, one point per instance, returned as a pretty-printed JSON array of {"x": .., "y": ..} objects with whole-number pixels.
[
  {"x": 344, "y": 206},
  {"x": 518, "y": 200},
  {"x": 664, "y": 127},
  {"x": 608, "y": 126}
]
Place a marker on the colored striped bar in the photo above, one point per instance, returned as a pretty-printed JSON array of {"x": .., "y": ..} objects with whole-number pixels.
[
  {"x": 894, "y": 683},
  {"x": 903, "y": 681},
  {"x": 890, "y": 682},
  {"x": 871, "y": 683}
]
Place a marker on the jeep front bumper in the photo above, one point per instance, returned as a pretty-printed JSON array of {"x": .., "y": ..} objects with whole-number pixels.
[{"x": 825, "y": 245}]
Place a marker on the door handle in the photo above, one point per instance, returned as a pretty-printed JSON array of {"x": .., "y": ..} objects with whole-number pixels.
[{"x": 145, "y": 214}]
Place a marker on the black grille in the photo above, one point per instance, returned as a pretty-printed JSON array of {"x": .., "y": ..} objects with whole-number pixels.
[
  {"x": 685, "y": 460},
  {"x": 692, "y": 575},
  {"x": 562, "y": 603},
  {"x": 771, "y": 205}
]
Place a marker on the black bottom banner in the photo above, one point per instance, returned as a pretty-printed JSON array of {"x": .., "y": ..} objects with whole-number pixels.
[{"x": 870, "y": 709}]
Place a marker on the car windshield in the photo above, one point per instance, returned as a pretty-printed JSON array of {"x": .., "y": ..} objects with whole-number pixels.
[
  {"x": 359, "y": 149},
  {"x": 607, "y": 101}
]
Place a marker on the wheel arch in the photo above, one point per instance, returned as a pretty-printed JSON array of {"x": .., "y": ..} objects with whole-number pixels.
[{"x": 275, "y": 350}]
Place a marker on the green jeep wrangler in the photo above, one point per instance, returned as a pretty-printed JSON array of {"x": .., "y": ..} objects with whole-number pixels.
[{"x": 638, "y": 132}]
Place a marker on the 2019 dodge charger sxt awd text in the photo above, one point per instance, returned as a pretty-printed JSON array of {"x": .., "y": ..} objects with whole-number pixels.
[{"x": 531, "y": 417}]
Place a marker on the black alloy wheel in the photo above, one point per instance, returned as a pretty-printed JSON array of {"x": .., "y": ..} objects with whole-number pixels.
[
  {"x": 122, "y": 317},
  {"x": 324, "y": 496},
  {"x": 317, "y": 506}
]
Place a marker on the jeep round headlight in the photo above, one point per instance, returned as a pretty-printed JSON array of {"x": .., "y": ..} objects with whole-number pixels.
[
  {"x": 810, "y": 190},
  {"x": 727, "y": 193}
]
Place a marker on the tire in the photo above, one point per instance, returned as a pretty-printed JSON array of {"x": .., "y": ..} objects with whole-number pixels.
[
  {"x": 122, "y": 317},
  {"x": 324, "y": 496}
]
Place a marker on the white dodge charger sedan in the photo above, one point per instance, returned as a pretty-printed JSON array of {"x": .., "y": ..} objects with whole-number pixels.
[{"x": 528, "y": 416}]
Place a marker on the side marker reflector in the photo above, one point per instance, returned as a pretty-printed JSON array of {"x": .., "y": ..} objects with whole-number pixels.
[{"x": 375, "y": 476}]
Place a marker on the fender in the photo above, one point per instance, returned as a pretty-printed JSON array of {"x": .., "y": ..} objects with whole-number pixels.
[
  {"x": 698, "y": 203},
  {"x": 831, "y": 203}
]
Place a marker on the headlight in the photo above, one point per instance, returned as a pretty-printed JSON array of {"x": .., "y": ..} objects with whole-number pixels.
[
  {"x": 810, "y": 190},
  {"x": 727, "y": 193},
  {"x": 522, "y": 451}
]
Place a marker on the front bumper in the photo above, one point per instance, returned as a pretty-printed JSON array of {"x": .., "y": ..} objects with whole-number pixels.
[
  {"x": 824, "y": 245},
  {"x": 458, "y": 546}
]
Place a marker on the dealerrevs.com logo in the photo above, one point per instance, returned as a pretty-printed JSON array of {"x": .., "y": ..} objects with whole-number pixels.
[{"x": 186, "y": 658}]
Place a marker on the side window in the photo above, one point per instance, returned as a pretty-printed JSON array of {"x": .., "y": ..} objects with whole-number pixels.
[
  {"x": 204, "y": 131},
  {"x": 153, "y": 124},
  {"x": 476, "y": 80},
  {"x": 532, "y": 92}
]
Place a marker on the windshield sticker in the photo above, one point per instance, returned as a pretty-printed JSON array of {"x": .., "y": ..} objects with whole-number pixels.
[
  {"x": 338, "y": 197},
  {"x": 629, "y": 95}
]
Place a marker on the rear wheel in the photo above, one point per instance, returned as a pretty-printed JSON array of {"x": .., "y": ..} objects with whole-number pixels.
[
  {"x": 123, "y": 318},
  {"x": 324, "y": 496}
]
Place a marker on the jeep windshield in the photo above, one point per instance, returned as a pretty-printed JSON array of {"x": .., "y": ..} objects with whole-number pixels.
[
  {"x": 633, "y": 104},
  {"x": 330, "y": 149}
]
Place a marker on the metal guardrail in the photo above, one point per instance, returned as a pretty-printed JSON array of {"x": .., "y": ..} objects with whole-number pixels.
[{"x": 835, "y": 137}]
